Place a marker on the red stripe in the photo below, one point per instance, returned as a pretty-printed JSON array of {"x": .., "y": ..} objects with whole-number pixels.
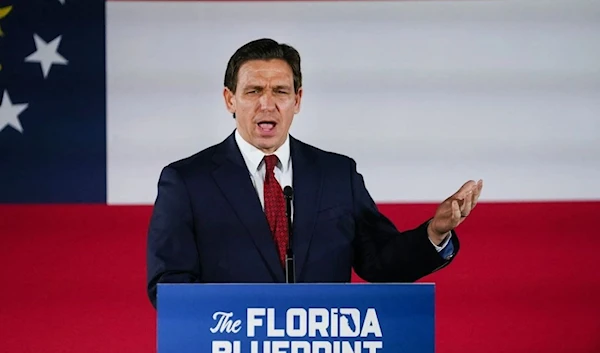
[{"x": 526, "y": 279}]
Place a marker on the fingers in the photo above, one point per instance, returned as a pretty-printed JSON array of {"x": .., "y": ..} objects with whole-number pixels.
[
  {"x": 477, "y": 192},
  {"x": 469, "y": 186},
  {"x": 469, "y": 195},
  {"x": 467, "y": 205},
  {"x": 465, "y": 189},
  {"x": 461, "y": 203},
  {"x": 455, "y": 212}
]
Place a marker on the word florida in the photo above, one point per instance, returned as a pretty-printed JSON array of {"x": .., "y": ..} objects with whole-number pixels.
[{"x": 299, "y": 330}]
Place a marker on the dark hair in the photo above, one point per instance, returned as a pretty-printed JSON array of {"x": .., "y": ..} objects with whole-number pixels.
[{"x": 263, "y": 49}]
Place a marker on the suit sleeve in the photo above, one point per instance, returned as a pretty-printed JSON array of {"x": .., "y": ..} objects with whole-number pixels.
[
  {"x": 172, "y": 255},
  {"x": 385, "y": 254}
]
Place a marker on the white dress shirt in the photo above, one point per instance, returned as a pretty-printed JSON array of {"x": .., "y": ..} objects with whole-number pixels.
[
  {"x": 257, "y": 168},
  {"x": 283, "y": 170}
]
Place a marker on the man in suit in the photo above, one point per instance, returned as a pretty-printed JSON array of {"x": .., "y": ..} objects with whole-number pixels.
[{"x": 220, "y": 217}]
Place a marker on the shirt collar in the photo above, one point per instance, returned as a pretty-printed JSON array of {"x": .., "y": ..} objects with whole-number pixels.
[{"x": 254, "y": 157}]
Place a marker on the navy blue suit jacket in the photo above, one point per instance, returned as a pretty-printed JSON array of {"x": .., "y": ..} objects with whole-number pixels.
[{"x": 208, "y": 225}]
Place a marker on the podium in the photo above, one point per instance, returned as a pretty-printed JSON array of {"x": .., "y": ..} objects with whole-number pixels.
[{"x": 295, "y": 318}]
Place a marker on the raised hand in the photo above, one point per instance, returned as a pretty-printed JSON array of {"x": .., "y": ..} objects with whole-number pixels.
[{"x": 454, "y": 210}]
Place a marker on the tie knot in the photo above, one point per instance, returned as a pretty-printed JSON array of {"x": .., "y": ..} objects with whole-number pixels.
[{"x": 271, "y": 162}]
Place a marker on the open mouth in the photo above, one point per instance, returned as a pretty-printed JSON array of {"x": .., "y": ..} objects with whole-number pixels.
[{"x": 267, "y": 126}]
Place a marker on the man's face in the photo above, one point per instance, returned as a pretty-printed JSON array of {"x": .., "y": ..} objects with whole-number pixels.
[{"x": 264, "y": 103}]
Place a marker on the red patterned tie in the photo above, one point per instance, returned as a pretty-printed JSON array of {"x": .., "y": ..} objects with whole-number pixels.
[{"x": 275, "y": 207}]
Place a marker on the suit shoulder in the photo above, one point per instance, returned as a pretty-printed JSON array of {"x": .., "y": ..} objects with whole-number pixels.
[
  {"x": 199, "y": 161},
  {"x": 327, "y": 156}
]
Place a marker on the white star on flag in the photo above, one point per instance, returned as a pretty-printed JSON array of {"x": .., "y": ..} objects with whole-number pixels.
[
  {"x": 9, "y": 113},
  {"x": 46, "y": 54}
]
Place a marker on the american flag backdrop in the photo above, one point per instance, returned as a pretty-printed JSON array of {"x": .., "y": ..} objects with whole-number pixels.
[{"x": 96, "y": 97}]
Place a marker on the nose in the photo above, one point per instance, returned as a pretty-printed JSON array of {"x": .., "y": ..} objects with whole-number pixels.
[{"x": 267, "y": 102}]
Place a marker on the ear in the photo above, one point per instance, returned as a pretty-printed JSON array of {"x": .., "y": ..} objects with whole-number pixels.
[
  {"x": 298, "y": 101},
  {"x": 229, "y": 100}
]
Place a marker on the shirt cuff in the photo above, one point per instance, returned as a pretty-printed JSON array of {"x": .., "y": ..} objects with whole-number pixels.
[{"x": 441, "y": 247}]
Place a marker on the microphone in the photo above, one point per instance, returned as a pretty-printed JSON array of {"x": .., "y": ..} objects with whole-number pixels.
[{"x": 290, "y": 266}]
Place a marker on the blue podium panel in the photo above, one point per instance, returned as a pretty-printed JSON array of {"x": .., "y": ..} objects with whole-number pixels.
[{"x": 295, "y": 318}]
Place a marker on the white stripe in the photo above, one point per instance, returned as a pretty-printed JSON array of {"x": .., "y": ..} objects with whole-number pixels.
[{"x": 424, "y": 95}]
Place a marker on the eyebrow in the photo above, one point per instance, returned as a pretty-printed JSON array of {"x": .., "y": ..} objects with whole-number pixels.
[{"x": 259, "y": 87}]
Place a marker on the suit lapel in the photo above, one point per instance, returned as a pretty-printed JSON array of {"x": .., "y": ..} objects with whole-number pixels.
[
  {"x": 307, "y": 193},
  {"x": 233, "y": 179}
]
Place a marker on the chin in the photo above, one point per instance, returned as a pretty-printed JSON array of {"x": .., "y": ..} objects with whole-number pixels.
[{"x": 268, "y": 143}]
